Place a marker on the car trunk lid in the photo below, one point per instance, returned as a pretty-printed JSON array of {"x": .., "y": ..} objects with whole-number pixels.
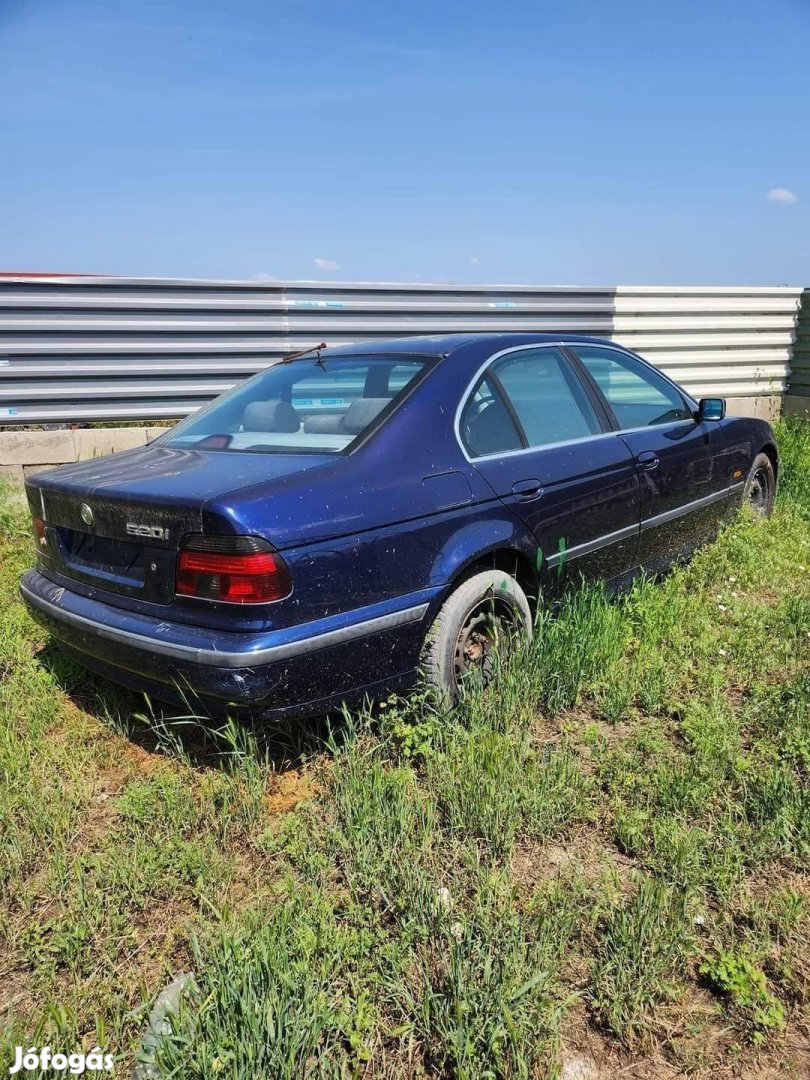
[{"x": 117, "y": 523}]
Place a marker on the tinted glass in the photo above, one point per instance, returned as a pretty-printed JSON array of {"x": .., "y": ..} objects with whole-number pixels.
[
  {"x": 548, "y": 399},
  {"x": 638, "y": 396},
  {"x": 300, "y": 407},
  {"x": 486, "y": 426},
  {"x": 401, "y": 374}
]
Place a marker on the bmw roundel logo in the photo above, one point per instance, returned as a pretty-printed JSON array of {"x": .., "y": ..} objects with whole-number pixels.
[{"x": 86, "y": 513}]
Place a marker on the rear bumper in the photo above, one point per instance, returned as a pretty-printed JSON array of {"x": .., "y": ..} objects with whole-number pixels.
[{"x": 293, "y": 670}]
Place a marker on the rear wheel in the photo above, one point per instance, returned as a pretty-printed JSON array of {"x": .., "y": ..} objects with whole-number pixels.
[
  {"x": 760, "y": 486},
  {"x": 487, "y": 614}
]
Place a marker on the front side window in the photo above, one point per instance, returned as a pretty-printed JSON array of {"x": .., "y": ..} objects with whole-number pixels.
[
  {"x": 527, "y": 398},
  {"x": 638, "y": 396},
  {"x": 305, "y": 406}
]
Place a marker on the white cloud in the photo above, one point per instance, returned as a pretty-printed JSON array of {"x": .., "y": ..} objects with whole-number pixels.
[
  {"x": 475, "y": 261},
  {"x": 782, "y": 195},
  {"x": 326, "y": 264},
  {"x": 267, "y": 277}
]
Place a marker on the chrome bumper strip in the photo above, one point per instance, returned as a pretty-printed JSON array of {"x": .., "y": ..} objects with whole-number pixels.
[{"x": 215, "y": 658}]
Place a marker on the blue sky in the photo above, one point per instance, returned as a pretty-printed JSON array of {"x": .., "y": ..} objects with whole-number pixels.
[{"x": 574, "y": 141}]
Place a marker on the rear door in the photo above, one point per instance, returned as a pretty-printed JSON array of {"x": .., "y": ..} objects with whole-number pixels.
[
  {"x": 540, "y": 437},
  {"x": 682, "y": 465}
]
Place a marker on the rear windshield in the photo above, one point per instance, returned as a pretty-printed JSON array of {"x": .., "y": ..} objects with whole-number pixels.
[{"x": 303, "y": 406}]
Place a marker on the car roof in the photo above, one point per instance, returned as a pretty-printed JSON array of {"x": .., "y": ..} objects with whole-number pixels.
[{"x": 444, "y": 345}]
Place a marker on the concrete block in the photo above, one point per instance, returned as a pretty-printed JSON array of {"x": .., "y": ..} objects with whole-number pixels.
[
  {"x": 12, "y": 474},
  {"x": 764, "y": 407},
  {"x": 32, "y": 470},
  {"x": 153, "y": 432},
  {"x": 97, "y": 442},
  {"x": 36, "y": 447}
]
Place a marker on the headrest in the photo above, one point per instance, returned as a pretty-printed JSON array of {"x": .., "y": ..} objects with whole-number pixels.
[
  {"x": 323, "y": 425},
  {"x": 270, "y": 416},
  {"x": 491, "y": 431},
  {"x": 361, "y": 412}
]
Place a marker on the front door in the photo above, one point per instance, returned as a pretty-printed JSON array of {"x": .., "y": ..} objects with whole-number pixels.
[
  {"x": 540, "y": 437},
  {"x": 682, "y": 465}
]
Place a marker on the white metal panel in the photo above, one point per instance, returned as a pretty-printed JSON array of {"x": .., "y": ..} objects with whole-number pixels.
[{"x": 82, "y": 349}]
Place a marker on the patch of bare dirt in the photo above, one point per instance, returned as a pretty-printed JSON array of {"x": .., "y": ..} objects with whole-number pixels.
[
  {"x": 692, "y": 1039},
  {"x": 15, "y": 993},
  {"x": 583, "y": 855},
  {"x": 143, "y": 760}
]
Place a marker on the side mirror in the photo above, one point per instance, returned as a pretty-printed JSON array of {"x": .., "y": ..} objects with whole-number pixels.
[{"x": 711, "y": 408}]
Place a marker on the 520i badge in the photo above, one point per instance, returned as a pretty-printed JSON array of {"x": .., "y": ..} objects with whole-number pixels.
[{"x": 147, "y": 532}]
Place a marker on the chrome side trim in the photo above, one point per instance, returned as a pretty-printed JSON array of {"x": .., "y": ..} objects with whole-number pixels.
[
  {"x": 656, "y": 427},
  {"x": 545, "y": 446},
  {"x": 649, "y": 523},
  {"x": 592, "y": 545},
  {"x": 215, "y": 658},
  {"x": 686, "y": 508}
]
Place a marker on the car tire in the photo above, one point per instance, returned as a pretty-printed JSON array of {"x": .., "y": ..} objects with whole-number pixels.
[
  {"x": 466, "y": 629},
  {"x": 760, "y": 486}
]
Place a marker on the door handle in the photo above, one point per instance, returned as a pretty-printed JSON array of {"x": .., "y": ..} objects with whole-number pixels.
[
  {"x": 526, "y": 489},
  {"x": 647, "y": 461}
]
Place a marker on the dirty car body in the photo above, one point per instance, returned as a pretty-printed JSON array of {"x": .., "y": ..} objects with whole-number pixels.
[{"x": 287, "y": 549}]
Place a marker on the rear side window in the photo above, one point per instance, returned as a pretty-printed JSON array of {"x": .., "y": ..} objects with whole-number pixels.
[
  {"x": 549, "y": 401},
  {"x": 528, "y": 398},
  {"x": 304, "y": 406},
  {"x": 487, "y": 426},
  {"x": 639, "y": 396}
]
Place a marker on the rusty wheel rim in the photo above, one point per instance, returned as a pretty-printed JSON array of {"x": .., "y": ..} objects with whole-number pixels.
[
  {"x": 759, "y": 492},
  {"x": 490, "y": 624}
]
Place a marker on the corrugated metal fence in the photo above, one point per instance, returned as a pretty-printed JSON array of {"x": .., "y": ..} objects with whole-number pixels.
[
  {"x": 84, "y": 349},
  {"x": 800, "y": 373}
]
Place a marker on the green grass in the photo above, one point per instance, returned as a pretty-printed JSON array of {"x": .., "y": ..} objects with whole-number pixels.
[{"x": 607, "y": 854}]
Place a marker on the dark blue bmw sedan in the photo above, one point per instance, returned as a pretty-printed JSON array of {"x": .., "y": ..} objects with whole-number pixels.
[{"x": 353, "y": 516}]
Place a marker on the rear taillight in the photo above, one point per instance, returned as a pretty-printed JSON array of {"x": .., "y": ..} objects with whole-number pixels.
[
  {"x": 234, "y": 569},
  {"x": 39, "y": 532}
]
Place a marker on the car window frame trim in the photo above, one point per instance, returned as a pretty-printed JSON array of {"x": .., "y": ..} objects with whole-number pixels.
[
  {"x": 602, "y": 416},
  {"x": 589, "y": 385}
]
